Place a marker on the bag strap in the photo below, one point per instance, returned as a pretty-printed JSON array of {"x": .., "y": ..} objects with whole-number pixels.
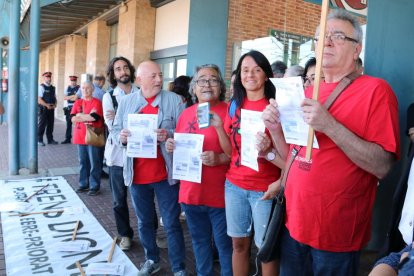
[{"x": 344, "y": 83}]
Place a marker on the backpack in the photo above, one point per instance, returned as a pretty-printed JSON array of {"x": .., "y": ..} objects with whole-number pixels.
[
  {"x": 232, "y": 108},
  {"x": 114, "y": 101}
]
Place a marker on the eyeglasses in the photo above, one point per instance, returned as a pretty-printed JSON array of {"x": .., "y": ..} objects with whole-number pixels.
[
  {"x": 204, "y": 82},
  {"x": 338, "y": 38}
]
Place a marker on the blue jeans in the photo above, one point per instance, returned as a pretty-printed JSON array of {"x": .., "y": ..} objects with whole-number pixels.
[
  {"x": 203, "y": 221},
  {"x": 300, "y": 259},
  {"x": 245, "y": 209},
  {"x": 167, "y": 198},
  {"x": 90, "y": 167},
  {"x": 120, "y": 201}
]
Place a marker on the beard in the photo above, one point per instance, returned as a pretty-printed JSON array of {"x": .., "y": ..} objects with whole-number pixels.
[{"x": 125, "y": 79}]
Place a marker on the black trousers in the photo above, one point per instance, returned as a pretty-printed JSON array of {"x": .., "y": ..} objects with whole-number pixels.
[
  {"x": 46, "y": 121},
  {"x": 68, "y": 134}
]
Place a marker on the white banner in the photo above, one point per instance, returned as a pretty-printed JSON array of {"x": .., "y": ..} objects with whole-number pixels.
[{"x": 31, "y": 242}]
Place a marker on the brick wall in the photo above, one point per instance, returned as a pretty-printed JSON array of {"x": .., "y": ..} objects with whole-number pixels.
[{"x": 253, "y": 19}]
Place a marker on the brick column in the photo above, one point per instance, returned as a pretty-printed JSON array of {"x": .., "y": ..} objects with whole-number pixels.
[
  {"x": 97, "y": 53},
  {"x": 136, "y": 31},
  {"x": 75, "y": 55},
  {"x": 59, "y": 78}
]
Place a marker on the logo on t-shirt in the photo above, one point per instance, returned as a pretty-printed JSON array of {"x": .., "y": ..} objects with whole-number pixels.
[{"x": 303, "y": 164}]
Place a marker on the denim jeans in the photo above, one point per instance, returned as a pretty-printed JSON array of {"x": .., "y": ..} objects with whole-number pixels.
[
  {"x": 203, "y": 221},
  {"x": 90, "y": 167},
  {"x": 245, "y": 209},
  {"x": 120, "y": 201},
  {"x": 167, "y": 198},
  {"x": 300, "y": 259}
]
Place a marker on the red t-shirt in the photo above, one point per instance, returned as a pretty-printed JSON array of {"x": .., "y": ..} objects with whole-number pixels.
[
  {"x": 242, "y": 176},
  {"x": 330, "y": 199},
  {"x": 150, "y": 170},
  {"x": 210, "y": 192},
  {"x": 84, "y": 106}
]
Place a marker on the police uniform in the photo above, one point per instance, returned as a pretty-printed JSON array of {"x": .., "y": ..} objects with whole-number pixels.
[
  {"x": 46, "y": 116},
  {"x": 70, "y": 91}
]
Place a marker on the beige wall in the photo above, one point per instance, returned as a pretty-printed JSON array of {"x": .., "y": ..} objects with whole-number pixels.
[
  {"x": 171, "y": 28},
  {"x": 75, "y": 55},
  {"x": 136, "y": 29},
  {"x": 97, "y": 54}
]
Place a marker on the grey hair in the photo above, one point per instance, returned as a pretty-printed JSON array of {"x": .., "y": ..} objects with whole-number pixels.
[
  {"x": 344, "y": 15},
  {"x": 193, "y": 82},
  {"x": 294, "y": 71}
]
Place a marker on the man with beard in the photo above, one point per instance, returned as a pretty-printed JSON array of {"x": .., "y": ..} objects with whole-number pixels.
[
  {"x": 120, "y": 74},
  {"x": 153, "y": 176}
]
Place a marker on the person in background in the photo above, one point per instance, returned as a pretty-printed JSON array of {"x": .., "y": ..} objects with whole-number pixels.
[
  {"x": 294, "y": 71},
  {"x": 70, "y": 98},
  {"x": 359, "y": 66},
  {"x": 231, "y": 88},
  {"x": 121, "y": 75},
  {"x": 358, "y": 141},
  {"x": 278, "y": 69},
  {"x": 309, "y": 72},
  {"x": 203, "y": 202},
  {"x": 181, "y": 87},
  {"x": 150, "y": 177},
  {"x": 246, "y": 188},
  {"x": 98, "y": 84},
  {"x": 87, "y": 111},
  {"x": 399, "y": 238},
  {"x": 46, "y": 100}
]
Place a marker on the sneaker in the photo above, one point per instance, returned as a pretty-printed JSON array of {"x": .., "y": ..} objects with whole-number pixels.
[
  {"x": 52, "y": 142},
  {"x": 125, "y": 243},
  {"x": 93, "y": 192},
  {"x": 67, "y": 141},
  {"x": 182, "y": 216},
  {"x": 41, "y": 143},
  {"x": 161, "y": 223},
  {"x": 82, "y": 190},
  {"x": 180, "y": 273},
  {"x": 149, "y": 268}
]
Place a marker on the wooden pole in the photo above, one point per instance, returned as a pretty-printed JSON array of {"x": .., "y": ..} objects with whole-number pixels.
[
  {"x": 318, "y": 70},
  {"x": 38, "y": 191},
  {"x": 78, "y": 265},
  {"x": 75, "y": 230},
  {"x": 111, "y": 253}
]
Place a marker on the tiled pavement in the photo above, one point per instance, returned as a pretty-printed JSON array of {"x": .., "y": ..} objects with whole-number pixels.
[{"x": 62, "y": 160}]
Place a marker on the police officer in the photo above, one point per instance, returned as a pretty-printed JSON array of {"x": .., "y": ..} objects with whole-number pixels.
[
  {"x": 46, "y": 100},
  {"x": 70, "y": 97}
]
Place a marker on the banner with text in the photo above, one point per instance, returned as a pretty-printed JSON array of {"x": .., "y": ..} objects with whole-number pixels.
[{"x": 37, "y": 232}]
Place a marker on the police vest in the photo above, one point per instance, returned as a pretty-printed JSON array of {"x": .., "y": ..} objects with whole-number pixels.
[
  {"x": 49, "y": 95},
  {"x": 72, "y": 91}
]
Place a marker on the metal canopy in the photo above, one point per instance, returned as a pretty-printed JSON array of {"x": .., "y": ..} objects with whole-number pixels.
[{"x": 68, "y": 16}]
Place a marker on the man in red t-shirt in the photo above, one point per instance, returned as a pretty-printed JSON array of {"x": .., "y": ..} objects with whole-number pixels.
[
  {"x": 149, "y": 177},
  {"x": 329, "y": 199}
]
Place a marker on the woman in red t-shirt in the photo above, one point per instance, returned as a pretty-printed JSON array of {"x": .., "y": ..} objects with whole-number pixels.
[
  {"x": 203, "y": 202},
  {"x": 87, "y": 111},
  {"x": 246, "y": 188}
]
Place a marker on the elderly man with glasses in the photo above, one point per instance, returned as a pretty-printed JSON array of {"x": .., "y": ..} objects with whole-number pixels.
[{"x": 329, "y": 199}]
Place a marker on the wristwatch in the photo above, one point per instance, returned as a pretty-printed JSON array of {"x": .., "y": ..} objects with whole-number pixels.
[{"x": 271, "y": 155}]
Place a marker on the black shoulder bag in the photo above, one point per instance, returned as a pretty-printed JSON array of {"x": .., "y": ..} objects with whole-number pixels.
[{"x": 270, "y": 248}]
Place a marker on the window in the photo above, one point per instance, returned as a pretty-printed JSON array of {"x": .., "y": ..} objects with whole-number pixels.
[
  {"x": 172, "y": 67},
  {"x": 113, "y": 41}
]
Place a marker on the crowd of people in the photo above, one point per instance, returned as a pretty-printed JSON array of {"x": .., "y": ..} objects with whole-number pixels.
[{"x": 329, "y": 198}]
